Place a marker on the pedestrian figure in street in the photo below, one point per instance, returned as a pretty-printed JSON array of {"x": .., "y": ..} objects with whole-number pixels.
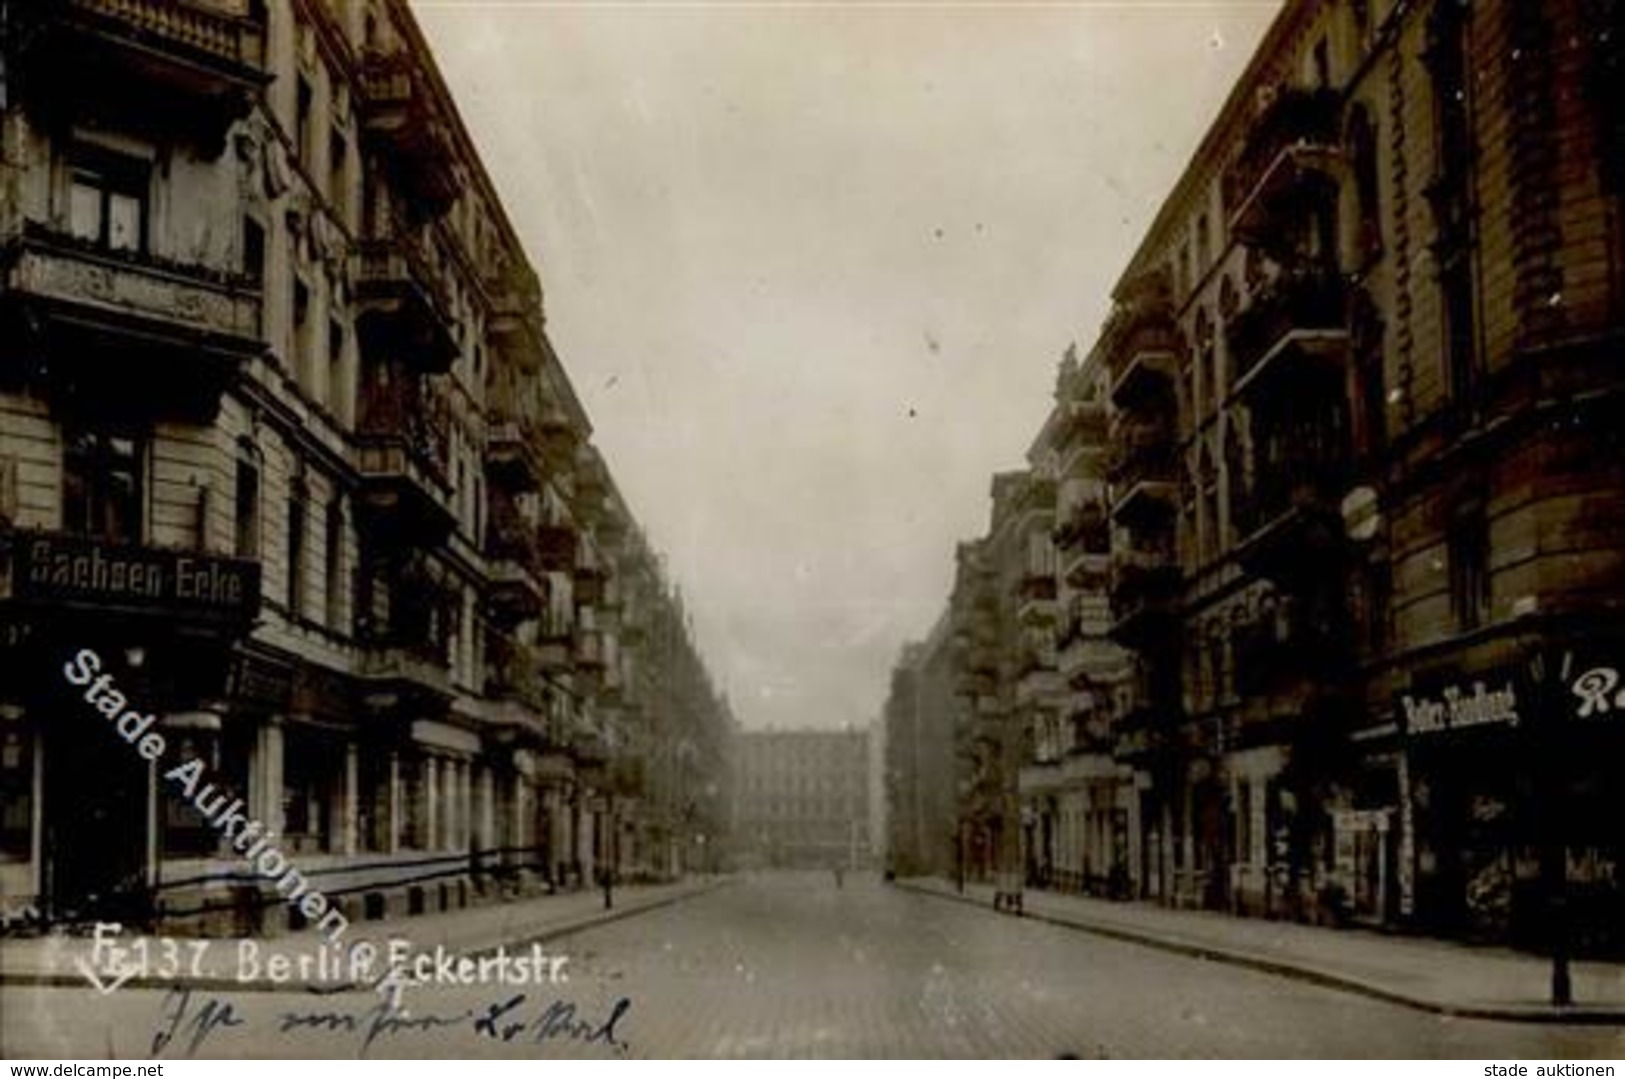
[
  {"x": 838, "y": 882},
  {"x": 607, "y": 879}
]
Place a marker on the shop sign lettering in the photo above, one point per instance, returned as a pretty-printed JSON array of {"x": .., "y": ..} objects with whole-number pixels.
[
  {"x": 1597, "y": 693},
  {"x": 1454, "y": 708}
]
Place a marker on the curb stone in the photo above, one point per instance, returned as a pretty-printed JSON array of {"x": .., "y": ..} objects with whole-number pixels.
[{"x": 1579, "y": 1014}]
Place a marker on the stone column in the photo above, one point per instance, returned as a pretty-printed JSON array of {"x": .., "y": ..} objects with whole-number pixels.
[
  {"x": 392, "y": 842},
  {"x": 485, "y": 827},
  {"x": 265, "y": 779},
  {"x": 350, "y": 801},
  {"x": 431, "y": 803}
]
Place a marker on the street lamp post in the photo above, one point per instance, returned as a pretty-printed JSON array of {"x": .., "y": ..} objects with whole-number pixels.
[
  {"x": 611, "y": 851},
  {"x": 1550, "y": 731}
]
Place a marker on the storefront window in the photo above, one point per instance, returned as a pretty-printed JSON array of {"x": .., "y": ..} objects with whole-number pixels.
[
  {"x": 311, "y": 784},
  {"x": 186, "y": 833},
  {"x": 372, "y": 812},
  {"x": 414, "y": 802}
]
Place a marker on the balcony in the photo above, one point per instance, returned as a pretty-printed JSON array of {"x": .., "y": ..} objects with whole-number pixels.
[
  {"x": 124, "y": 331},
  {"x": 1086, "y": 570},
  {"x": 398, "y": 672},
  {"x": 1290, "y": 641},
  {"x": 403, "y": 441},
  {"x": 1037, "y": 495},
  {"x": 557, "y": 542},
  {"x": 1143, "y": 344},
  {"x": 1145, "y": 483},
  {"x": 57, "y": 575},
  {"x": 1036, "y": 599},
  {"x": 1084, "y": 424},
  {"x": 591, "y": 574},
  {"x": 590, "y": 657},
  {"x": 1148, "y": 376},
  {"x": 516, "y": 592},
  {"x": 591, "y": 484},
  {"x": 404, "y": 309},
  {"x": 405, "y": 657},
  {"x": 402, "y": 114},
  {"x": 1292, "y": 144},
  {"x": 1144, "y": 468},
  {"x": 1145, "y": 728},
  {"x": 1292, "y": 529},
  {"x": 561, "y": 437},
  {"x": 512, "y": 674},
  {"x": 1144, "y": 594},
  {"x": 187, "y": 67},
  {"x": 1295, "y": 325},
  {"x": 513, "y": 456},
  {"x": 1085, "y": 528},
  {"x": 515, "y": 325}
]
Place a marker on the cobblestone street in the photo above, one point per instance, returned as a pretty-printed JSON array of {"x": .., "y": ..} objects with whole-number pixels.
[{"x": 789, "y": 965}]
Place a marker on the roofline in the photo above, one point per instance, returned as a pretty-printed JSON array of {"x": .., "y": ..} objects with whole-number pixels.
[{"x": 1292, "y": 16}]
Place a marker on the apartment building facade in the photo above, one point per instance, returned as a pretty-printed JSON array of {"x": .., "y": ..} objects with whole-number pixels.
[
  {"x": 802, "y": 798},
  {"x": 1361, "y": 478},
  {"x": 266, "y": 324},
  {"x": 920, "y": 764}
]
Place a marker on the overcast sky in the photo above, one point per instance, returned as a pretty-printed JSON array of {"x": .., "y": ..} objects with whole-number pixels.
[{"x": 812, "y": 266}]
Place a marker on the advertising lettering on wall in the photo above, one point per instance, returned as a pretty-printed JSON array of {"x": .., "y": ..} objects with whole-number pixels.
[{"x": 1491, "y": 700}]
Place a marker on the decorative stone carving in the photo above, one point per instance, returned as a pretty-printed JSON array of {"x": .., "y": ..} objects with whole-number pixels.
[{"x": 137, "y": 289}]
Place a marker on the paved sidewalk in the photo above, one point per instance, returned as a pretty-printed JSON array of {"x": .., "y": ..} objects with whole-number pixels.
[
  {"x": 56, "y": 959},
  {"x": 1433, "y": 975}
]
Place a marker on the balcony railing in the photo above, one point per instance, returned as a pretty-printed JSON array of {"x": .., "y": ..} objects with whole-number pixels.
[
  {"x": 1149, "y": 569},
  {"x": 1295, "y": 133},
  {"x": 405, "y": 307},
  {"x": 1085, "y": 528},
  {"x": 131, "y": 327},
  {"x": 1142, "y": 342},
  {"x": 1037, "y": 496},
  {"x": 513, "y": 454},
  {"x": 516, "y": 324},
  {"x": 404, "y": 444},
  {"x": 410, "y": 647},
  {"x": 1301, "y": 314},
  {"x": 180, "y": 64},
  {"x": 1292, "y": 641},
  {"x": 517, "y": 591},
  {"x": 513, "y": 674},
  {"x": 403, "y": 113},
  {"x": 1084, "y": 423}
]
